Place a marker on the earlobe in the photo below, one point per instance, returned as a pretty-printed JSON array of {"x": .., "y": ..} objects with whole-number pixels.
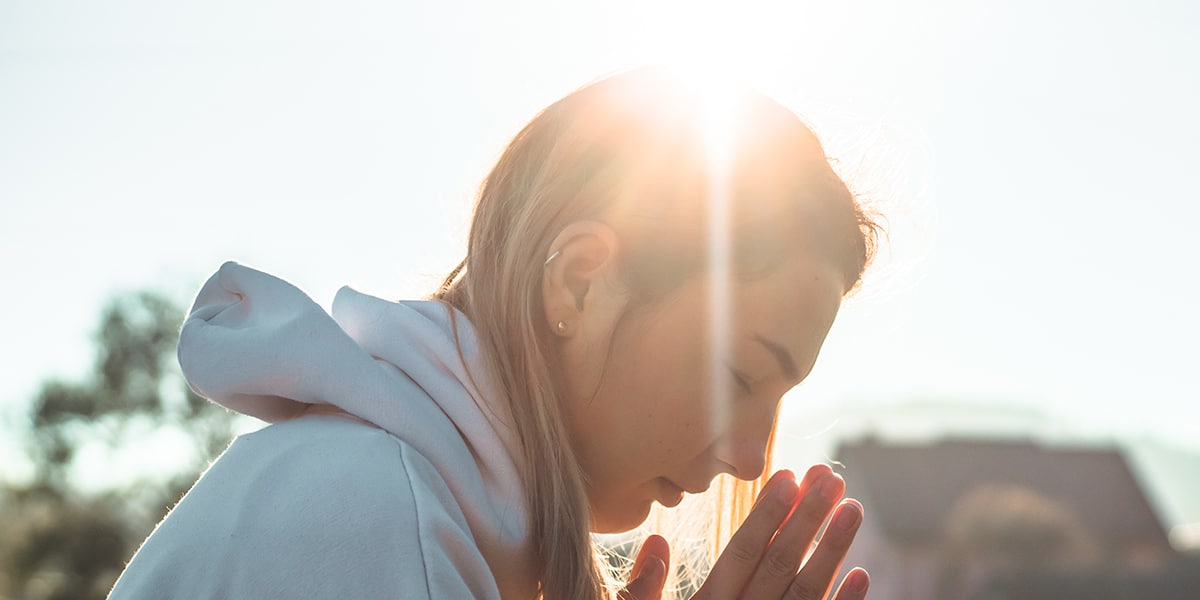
[{"x": 579, "y": 275}]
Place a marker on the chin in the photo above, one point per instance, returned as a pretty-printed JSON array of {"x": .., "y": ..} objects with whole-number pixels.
[{"x": 619, "y": 519}]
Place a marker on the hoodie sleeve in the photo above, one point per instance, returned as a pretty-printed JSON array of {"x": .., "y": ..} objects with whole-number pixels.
[{"x": 320, "y": 507}]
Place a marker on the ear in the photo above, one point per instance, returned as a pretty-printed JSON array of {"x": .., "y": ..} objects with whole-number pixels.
[{"x": 581, "y": 292}]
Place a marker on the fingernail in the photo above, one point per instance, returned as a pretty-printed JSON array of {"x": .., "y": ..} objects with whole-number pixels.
[
  {"x": 653, "y": 570},
  {"x": 788, "y": 490},
  {"x": 829, "y": 488},
  {"x": 847, "y": 517},
  {"x": 857, "y": 580}
]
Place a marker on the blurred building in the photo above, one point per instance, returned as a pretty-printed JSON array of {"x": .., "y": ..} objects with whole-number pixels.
[{"x": 964, "y": 519}]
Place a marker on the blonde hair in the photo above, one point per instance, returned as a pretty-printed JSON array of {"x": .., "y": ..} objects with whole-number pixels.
[{"x": 627, "y": 150}]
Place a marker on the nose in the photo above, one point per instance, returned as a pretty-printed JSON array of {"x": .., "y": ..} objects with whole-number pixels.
[
  {"x": 748, "y": 464},
  {"x": 744, "y": 449}
]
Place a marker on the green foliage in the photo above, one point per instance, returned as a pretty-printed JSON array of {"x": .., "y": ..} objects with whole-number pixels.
[
  {"x": 63, "y": 542},
  {"x": 61, "y": 546}
]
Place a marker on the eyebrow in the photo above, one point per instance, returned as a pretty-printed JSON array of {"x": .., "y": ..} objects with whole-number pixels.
[{"x": 781, "y": 355}]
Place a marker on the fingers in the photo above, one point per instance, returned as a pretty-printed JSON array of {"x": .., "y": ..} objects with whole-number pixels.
[
  {"x": 764, "y": 557},
  {"x": 745, "y": 549},
  {"x": 777, "y": 572},
  {"x": 649, "y": 572},
  {"x": 854, "y": 586},
  {"x": 815, "y": 579}
]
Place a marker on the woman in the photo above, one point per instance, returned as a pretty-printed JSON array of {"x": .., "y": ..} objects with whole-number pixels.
[{"x": 640, "y": 289}]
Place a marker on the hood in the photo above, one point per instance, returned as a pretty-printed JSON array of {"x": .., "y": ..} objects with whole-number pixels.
[{"x": 260, "y": 346}]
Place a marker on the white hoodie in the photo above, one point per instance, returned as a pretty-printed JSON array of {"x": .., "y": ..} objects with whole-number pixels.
[{"x": 428, "y": 505}]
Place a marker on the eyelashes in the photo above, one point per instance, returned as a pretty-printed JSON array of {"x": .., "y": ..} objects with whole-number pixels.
[{"x": 742, "y": 381}]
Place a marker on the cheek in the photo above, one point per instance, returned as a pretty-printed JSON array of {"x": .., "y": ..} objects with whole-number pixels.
[
  {"x": 654, "y": 407},
  {"x": 682, "y": 436},
  {"x": 670, "y": 407}
]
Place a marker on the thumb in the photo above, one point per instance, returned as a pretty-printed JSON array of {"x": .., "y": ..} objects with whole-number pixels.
[{"x": 649, "y": 573}]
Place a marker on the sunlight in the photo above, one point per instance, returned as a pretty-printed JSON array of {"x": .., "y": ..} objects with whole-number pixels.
[
  {"x": 717, "y": 135},
  {"x": 713, "y": 94},
  {"x": 708, "y": 49}
]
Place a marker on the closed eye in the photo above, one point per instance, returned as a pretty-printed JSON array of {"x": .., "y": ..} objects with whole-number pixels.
[{"x": 742, "y": 381}]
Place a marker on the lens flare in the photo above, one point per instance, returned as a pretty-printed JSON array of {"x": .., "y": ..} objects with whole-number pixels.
[{"x": 717, "y": 130}]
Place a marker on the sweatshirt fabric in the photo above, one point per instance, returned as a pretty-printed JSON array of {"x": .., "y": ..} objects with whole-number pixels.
[{"x": 390, "y": 470}]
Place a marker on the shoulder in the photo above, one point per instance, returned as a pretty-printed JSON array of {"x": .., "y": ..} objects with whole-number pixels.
[
  {"x": 348, "y": 474},
  {"x": 318, "y": 507},
  {"x": 322, "y": 466}
]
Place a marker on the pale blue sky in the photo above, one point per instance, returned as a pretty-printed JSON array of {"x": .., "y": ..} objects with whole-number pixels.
[{"x": 1036, "y": 160}]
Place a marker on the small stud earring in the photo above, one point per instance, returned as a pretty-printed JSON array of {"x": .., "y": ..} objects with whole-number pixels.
[{"x": 561, "y": 328}]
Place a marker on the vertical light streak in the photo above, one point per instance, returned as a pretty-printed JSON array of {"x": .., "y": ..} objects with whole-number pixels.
[
  {"x": 717, "y": 135},
  {"x": 708, "y": 79}
]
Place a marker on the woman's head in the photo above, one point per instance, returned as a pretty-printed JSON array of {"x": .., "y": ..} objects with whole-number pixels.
[{"x": 646, "y": 288}]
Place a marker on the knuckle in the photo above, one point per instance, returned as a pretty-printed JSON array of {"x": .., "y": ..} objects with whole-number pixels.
[
  {"x": 742, "y": 552},
  {"x": 802, "y": 591},
  {"x": 780, "y": 564}
]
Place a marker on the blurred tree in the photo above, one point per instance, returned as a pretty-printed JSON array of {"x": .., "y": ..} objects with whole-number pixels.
[
  {"x": 60, "y": 541},
  {"x": 997, "y": 530}
]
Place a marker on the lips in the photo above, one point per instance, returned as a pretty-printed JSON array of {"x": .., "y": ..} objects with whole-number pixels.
[
  {"x": 670, "y": 494},
  {"x": 691, "y": 487}
]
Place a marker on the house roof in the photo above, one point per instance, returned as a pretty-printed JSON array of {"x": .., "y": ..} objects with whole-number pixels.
[{"x": 908, "y": 489}]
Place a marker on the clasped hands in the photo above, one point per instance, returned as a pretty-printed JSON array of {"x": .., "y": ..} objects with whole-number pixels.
[{"x": 768, "y": 557}]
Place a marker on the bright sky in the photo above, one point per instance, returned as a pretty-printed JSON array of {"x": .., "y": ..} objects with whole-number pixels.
[{"x": 1036, "y": 160}]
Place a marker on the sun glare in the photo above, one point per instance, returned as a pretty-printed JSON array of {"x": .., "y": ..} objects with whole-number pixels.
[
  {"x": 716, "y": 124},
  {"x": 711, "y": 86}
]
